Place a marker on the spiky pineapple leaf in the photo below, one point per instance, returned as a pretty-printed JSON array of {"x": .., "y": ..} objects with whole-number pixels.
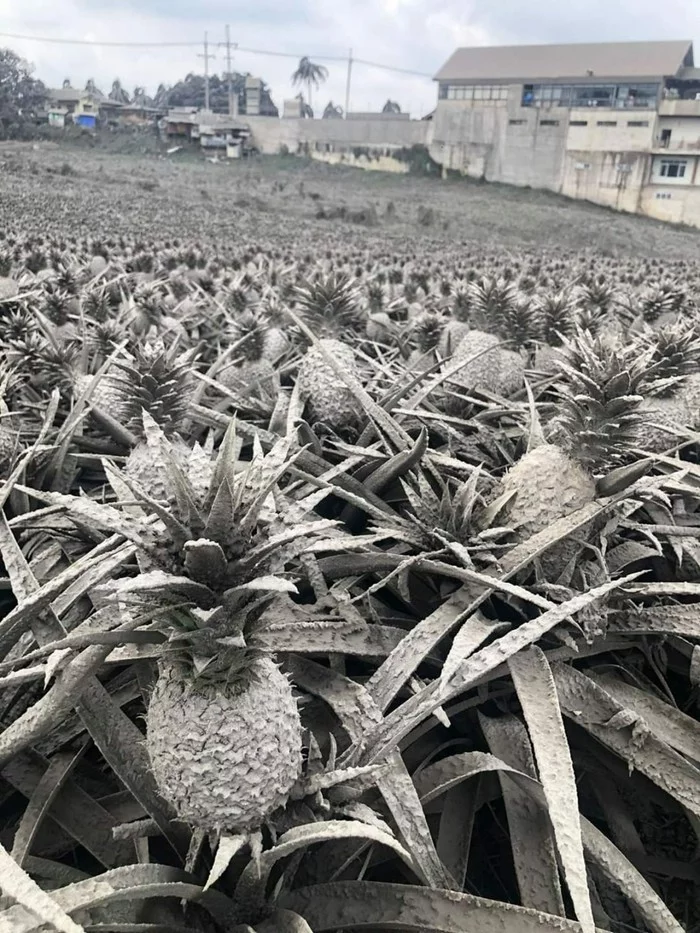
[
  {"x": 670, "y": 724},
  {"x": 438, "y": 778},
  {"x": 537, "y": 693},
  {"x": 529, "y": 826},
  {"x": 34, "y": 907},
  {"x": 359, "y": 904},
  {"x": 41, "y": 800},
  {"x": 357, "y": 711},
  {"x": 479, "y": 667},
  {"x": 627, "y": 735},
  {"x": 252, "y": 885},
  {"x": 227, "y": 849},
  {"x": 131, "y": 883}
]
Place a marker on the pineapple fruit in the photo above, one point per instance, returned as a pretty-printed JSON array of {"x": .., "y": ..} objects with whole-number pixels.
[
  {"x": 329, "y": 400},
  {"x": 227, "y": 749},
  {"x": 595, "y": 429}
]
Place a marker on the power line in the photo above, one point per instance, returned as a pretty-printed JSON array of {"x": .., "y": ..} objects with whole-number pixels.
[
  {"x": 122, "y": 45},
  {"x": 239, "y": 48}
]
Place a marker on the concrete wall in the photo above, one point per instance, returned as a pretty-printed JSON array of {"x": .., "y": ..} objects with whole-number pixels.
[
  {"x": 501, "y": 141},
  {"x": 597, "y": 135},
  {"x": 677, "y": 205},
  {"x": 685, "y": 132},
  {"x": 270, "y": 133},
  {"x": 381, "y": 163},
  {"x": 613, "y": 179}
]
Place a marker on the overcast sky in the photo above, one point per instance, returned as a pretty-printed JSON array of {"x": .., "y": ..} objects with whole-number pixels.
[{"x": 412, "y": 34}]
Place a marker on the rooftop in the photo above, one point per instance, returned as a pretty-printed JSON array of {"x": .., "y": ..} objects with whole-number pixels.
[{"x": 577, "y": 61}]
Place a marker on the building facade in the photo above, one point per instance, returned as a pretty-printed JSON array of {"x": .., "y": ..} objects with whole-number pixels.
[{"x": 617, "y": 124}]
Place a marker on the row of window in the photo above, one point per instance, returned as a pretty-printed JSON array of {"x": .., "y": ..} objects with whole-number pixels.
[
  {"x": 582, "y": 122},
  {"x": 474, "y": 92},
  {"x": 587, "y": 95},
  {"x": 559, "y": 95}
]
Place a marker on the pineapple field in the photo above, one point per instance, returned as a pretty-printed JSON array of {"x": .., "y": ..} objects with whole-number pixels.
[{"x": 350, "y": 543}]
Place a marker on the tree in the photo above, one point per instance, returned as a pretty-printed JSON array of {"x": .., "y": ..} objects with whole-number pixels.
[
  {"x": 190, "y": 93},
  {"x": 310, "y": 74},
  {"x": 21, "y": 95},
  {"x": 161, "y": 98},
  {"x": 92, "y": 88},
  {"x": 306, "y": 111},
  {"x": 391, "y": 107},
  {"x": 118, "y": 93},
  {"x": 332, "y": 112}
]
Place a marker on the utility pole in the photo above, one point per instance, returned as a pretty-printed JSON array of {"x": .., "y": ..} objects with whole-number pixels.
[
  {"x": 347, "y": 84},
  {"x": 232, "y": 109},
  {"x": 206, "y": 56}
]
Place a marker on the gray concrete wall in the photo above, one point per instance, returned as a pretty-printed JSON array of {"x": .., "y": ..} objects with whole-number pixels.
[
  {"x": 270, "y": 133},
  {"x": 501, "y": 142}
]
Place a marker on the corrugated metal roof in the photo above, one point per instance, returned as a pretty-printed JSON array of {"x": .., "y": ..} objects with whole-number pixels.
[{"x": 603, "y": 59}]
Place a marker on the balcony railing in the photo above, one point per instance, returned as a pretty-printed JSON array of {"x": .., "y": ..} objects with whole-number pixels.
[{"x": 679, "y": 108}]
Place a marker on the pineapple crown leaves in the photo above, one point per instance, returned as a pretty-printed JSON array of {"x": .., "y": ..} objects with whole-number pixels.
[
  {"x": 661, "y": 299},
  {"x": 427, "y": 328},
  {"x": 248, "y": 332},
  {"x": 222, "y": 535},
  {"x": 671, "y": 354},
  {"x": 491, "y": 299},
  {"x": 157, "y": 381},
  {"x": 599, "y": 399},
  {"x": 556, "y": 312},
  {"x": 443, "y": 512},
  {"x": 329, "y": 304}
]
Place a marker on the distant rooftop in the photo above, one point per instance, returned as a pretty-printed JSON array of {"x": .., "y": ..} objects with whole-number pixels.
[{"x": 573, "y": 62}]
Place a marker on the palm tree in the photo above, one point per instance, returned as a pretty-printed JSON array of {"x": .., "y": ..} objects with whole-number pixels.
[{"x": 310, "y": 74}]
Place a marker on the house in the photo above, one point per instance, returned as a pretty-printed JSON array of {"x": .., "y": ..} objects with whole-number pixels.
[
  {"x": 73, "y": 101},
  {"x": 180, "y": 122},
  {"x": 617, "y": 123},
  {"x": 116, "y": 113},
  {"x": 213, "y": 130}
]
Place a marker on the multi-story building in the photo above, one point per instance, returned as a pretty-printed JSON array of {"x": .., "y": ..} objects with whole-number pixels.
[{"x": 613, "y": 123}]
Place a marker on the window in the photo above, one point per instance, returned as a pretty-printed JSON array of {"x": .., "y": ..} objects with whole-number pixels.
[
  {"x": 665, "y": 138},
  {"x": 549, "y": 123},
  {"x": 673, "y": 168},
  {"x": 662, "y": 196},
  {"x": 516, "y": 122},
  {"x": 637, "y": 123},
  {"x": 606, "y": 123},
  {"x": 480, "y": 92},
  {"x": 578, "y": 123}
]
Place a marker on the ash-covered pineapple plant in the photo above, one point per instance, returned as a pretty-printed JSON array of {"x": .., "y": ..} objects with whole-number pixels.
[
  {"x": 594, "y": 431},
  {"x": 330, "y": 307},
  {"x": 159, "y": 382},
  {"x": 503, "y": 321},
  {"x": 224, "y": 733},
  {"x": 671, "y": 384},
  {"x": 557, "y": 313}
]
